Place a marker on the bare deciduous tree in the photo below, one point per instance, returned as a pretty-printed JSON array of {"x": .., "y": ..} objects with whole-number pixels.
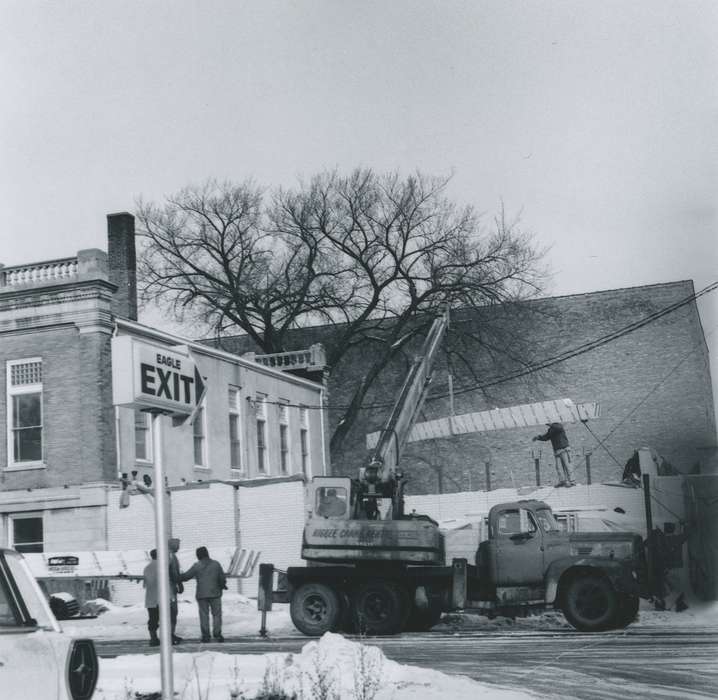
[{"x": 376, "y": 255}]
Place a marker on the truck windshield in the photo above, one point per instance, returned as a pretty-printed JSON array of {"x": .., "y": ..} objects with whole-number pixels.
[{"x": 548, "y": 522}]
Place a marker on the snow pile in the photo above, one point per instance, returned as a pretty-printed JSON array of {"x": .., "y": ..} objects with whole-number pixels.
[
  {"x": 698, "y": 614},
  {"x": 332, "y": 668}
]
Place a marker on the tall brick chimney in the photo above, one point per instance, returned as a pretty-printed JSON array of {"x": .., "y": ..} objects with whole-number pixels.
[{"x": 123, "y": 263}]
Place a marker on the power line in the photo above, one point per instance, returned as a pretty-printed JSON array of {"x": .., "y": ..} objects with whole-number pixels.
[
  {"x": 601, "y": 443},
  {"x": 672, "y": 371},
  {"x": 541, "y": 365},
  {"x": 586, "y": 347}
]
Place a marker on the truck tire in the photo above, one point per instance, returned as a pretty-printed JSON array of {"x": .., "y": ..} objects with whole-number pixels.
[
  {"x": 315, "y": 609},
  {"x": 627, "y": 611},
  {"x": 379, "y": 607},
  {"x": 423, "y": 619},
  {"x": 64, "y": 606},
  {"x": 590, "y": 604}
]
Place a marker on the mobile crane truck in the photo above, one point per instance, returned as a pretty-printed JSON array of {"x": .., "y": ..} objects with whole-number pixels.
[{"x": 374, "y": 569}]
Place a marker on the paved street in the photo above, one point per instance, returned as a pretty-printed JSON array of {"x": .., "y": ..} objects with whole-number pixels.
[{"x": 671, "y": 663}]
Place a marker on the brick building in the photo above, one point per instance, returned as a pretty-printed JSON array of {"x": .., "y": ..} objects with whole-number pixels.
[
  {"x": 66, "y": 443},
  {"x": 639, "y": 352}
]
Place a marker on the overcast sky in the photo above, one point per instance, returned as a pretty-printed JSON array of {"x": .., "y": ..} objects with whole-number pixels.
[{"x": 598, "y": 121}]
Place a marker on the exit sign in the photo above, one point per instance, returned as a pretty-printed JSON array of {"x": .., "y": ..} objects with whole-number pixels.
[{"x": 145, "y": 375}]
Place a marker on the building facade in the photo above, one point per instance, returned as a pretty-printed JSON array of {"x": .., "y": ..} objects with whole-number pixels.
[{"x": 66, "y": 444}]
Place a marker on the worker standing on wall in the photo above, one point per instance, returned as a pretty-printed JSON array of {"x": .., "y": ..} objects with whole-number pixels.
[{"x": 561, "y": 451}]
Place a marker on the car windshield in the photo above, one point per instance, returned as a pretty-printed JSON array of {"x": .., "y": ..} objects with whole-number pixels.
[
  {"x": 35, "y": 601},
  {"x": 548, "y": 522}
]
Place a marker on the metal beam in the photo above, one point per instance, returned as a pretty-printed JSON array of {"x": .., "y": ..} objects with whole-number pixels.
[{"x": 521, "y": 416}]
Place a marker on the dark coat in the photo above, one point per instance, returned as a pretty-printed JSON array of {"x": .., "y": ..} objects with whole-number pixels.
[
  {"x": 557, "y": 435},
  {"x": 211, "y": 580}
]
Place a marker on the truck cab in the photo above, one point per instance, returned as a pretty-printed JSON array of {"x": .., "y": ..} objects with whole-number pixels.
[
  {"x": 524, "y": 539},
  {"x": 529, "y": 560}
]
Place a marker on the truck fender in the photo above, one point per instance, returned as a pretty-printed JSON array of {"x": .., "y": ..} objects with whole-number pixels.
[{"x": 615, "y": 571}]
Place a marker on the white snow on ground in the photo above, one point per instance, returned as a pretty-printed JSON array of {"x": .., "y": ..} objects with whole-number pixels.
[
  {"x": 332, "y": 660},
  {"x": 240, "y": 618},
  {"x": 332, "y": 667},
  {"x": 211, "y": 675}
]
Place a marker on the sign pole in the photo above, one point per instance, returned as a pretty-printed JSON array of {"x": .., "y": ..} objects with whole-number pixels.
[
  {"x": 163, "y": 562},
  {"x": 164, "y": 381}
]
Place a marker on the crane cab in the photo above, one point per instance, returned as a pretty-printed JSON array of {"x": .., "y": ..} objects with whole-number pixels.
[
  {"x": 330, "y": 497},
  {"x": 334, "y": 534}
]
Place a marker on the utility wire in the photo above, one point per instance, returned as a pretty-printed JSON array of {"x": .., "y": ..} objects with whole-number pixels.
[
  {"x": 544, "y": 364},
  {"x": 643, "y": 400},
  {"x": 665, "y": 507},
  {"x": 601, "y": 443},
  {"x": 586, "y": 347}
]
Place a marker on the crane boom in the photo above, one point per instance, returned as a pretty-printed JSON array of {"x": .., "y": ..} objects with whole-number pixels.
[{"x": 392, "y": 438}]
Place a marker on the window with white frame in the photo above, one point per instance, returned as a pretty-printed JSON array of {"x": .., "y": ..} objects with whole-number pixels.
[
  {"x": 284, "y": 459},
  {"x": 24, "y": 410},
  {"x": 235, "y": 429},
  {"x": 143, "y": 436},
  {"x": 199, "y": 438},
  {"x": 27, "y": 532},
  {"x": 260, "y": 410},
  {"x": 304, "y": 438}
]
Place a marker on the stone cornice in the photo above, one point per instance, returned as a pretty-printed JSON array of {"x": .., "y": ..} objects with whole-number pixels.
[{"x": 87, "y": 304}]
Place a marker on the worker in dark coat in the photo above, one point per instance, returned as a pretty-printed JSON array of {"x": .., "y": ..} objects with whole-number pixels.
[
  {"x": 211, "y": 581},
  {"x": 561, "y": 451}
]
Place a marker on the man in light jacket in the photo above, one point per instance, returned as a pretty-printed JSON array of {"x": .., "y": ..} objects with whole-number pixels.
[
  {"x": 152, "y": 601},
  {"x": 211, "y": 581}
]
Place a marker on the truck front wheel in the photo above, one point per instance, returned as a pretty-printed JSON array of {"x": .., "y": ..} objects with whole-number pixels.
[
  {"x": 590, "y": 604},
  {"x": 380, "y": 607},
  {"x": 627, "y": 611},
  {"x": 315, "y": 609}
]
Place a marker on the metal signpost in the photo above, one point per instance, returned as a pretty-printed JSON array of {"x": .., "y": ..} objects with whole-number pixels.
[{"x": 165, "y": 382}]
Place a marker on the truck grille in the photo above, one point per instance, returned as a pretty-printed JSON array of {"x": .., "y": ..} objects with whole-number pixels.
[{"x": 82, "y": 669}]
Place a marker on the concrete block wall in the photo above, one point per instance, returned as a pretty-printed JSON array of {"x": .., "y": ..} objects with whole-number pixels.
[
  {"x": 129, "y": 528},
  {"x": 203, "y": 515},
  {"x": 75, "y": 529},
  {"x": 667, "y": 502},
  {"x": 267, "y": 518},
  {"x": 271, "y": 519}
]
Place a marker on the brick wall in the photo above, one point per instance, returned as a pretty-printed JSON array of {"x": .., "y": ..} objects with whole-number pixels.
[
  {"x": 77, "y": 416},
  {"x": 653, "y": 385},
  {"x": 122, "y": 264}
]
